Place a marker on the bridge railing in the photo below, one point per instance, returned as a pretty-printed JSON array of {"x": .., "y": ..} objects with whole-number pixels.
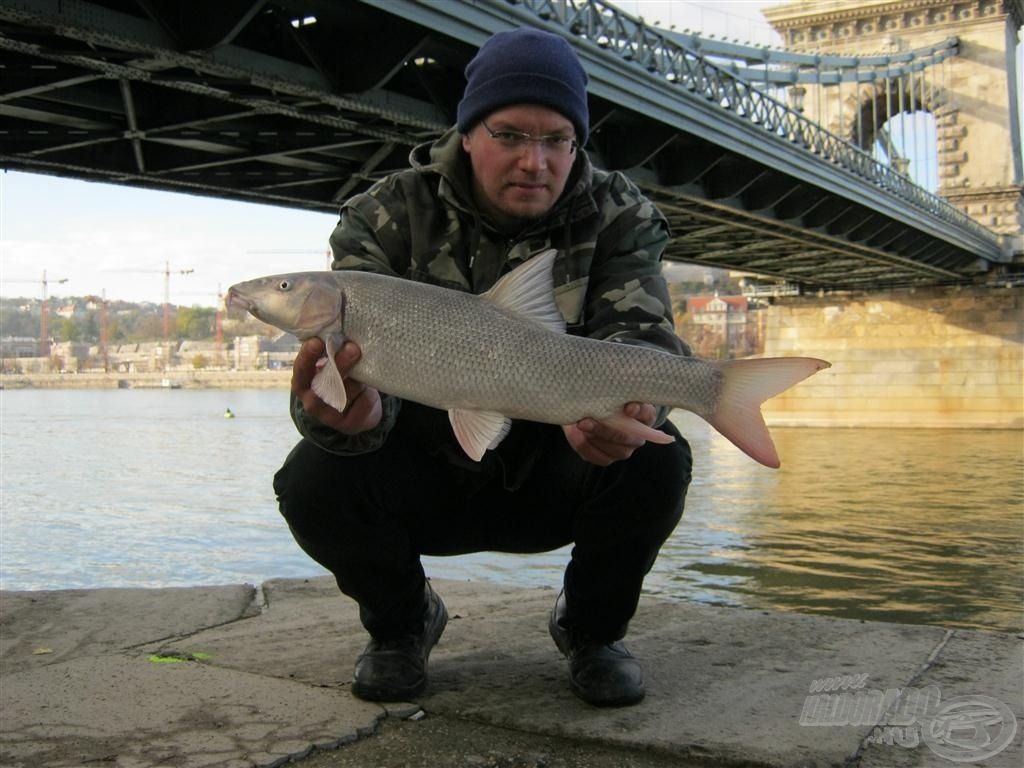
[{"x": 616, "y": 31}]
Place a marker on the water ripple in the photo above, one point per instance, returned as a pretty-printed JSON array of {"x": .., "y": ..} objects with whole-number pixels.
[{"x": 154, "y": 488}]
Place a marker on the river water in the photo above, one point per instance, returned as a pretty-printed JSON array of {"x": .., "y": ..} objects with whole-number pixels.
[{"x": 146, "y": 488}]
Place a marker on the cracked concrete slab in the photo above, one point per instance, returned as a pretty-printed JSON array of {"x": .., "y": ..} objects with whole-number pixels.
[
  {"x": 129, "y": 711},
  {"x": 724, "y": 685},
  {"x": 42, "y": 628},
  {"x": 80, "y": 685},
  {"x": 973, "y": 668}
]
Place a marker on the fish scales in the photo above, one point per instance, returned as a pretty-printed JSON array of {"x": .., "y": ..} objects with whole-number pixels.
[{"x": 456, "y": 350}]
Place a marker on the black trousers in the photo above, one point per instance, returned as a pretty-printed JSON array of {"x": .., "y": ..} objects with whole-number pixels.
[{"x": 368, "y": 518}]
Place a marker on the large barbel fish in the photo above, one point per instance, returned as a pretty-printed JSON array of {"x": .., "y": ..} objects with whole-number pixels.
[{"x": 504, "y": 355}]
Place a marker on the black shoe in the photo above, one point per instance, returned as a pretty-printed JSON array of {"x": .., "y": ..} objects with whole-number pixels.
[
  {"x": 396, "y": 670},
  {"x": 604, "y": 674}
]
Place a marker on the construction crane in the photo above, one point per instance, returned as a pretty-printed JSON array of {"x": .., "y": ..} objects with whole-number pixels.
[
  {"x": 44, "y": 311},
  {"x": 104, "y": 305},
  {"x": 166, "y": 272}
]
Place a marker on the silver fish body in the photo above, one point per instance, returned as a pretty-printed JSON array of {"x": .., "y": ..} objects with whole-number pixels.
[
  {"x": 504, "y": 355},
  {"x": 456, "y": 350}
]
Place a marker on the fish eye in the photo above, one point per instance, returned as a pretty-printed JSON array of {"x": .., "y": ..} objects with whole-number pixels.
[{"x": 284, "y": 285}]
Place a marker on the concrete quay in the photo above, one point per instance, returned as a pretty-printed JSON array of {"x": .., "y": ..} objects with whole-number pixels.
[
  {"x": 236, "y": 676},
  {"x": 174, "y": 379}
]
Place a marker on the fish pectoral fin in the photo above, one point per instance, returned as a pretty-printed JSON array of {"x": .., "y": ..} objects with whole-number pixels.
[
  {"x": 327, "y": 383},
  {"x": 478, "y": 431},
  {"x": 631, "y": 426},
  {"x": 528, "y": 291}
]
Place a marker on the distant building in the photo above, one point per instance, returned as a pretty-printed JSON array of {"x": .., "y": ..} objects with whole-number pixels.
[
  {"x": 724, "y": 316},
  {"x": 722, "y": 327},
  {"x": 69, "y": 355},
  {"x": 259, "y": 352},
  {"x": 203, "y": 354},
  {"x": 18, "y": 346}
]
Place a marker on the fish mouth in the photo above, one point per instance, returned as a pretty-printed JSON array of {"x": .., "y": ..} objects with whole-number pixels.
[{"x": 235, "y": 300}]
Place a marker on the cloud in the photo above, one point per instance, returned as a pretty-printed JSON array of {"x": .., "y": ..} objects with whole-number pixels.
[{"x": 111, "y": 239}]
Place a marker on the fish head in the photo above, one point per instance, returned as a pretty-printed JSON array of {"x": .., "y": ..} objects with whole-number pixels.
[{"x": 303, "y": 303}]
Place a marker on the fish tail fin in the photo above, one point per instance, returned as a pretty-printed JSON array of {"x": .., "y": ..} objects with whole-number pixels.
[{"x": 747, "y": 384}]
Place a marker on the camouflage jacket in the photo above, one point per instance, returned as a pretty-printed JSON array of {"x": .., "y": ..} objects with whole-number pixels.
[{"x": 422, "y": 224}]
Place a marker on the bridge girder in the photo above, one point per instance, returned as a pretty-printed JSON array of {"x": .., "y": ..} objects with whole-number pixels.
[{"x": 253, "y": 100}]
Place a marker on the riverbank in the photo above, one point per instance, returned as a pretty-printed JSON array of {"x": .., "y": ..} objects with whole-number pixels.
[
  {"x": 233, "y": 676},
  {"x": 185, "y": 379}
]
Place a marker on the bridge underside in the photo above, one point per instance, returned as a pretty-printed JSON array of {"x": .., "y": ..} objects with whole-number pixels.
[{"x": 304, "y": 103}]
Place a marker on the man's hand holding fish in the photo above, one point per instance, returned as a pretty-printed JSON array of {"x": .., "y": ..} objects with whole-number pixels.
[
  {"x": 363, "y": 406},
  {"x": 600, "y": 443}
]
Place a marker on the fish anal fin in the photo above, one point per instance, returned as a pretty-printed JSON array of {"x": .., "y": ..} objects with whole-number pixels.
[
  {"x": 748, "y": 383},
  {"x": 328, "y": 384},
  {"x": 528, "y": 292},
  {"x": 478, "y": 431}
]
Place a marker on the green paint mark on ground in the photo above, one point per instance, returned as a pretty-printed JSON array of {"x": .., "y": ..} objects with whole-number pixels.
[
  {"x": 178, "y": 657},
  {"x": 158, "y": 659}
]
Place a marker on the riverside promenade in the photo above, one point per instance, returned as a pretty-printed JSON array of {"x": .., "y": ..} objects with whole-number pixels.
[
  {"x": 184, "y": 379},
  {"x": 236, "y": 676}
]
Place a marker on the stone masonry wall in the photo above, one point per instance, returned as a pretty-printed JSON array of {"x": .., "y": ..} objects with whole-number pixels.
[
  {"x": 938, "y": 357},
  {"x": 971, "y": 95}
]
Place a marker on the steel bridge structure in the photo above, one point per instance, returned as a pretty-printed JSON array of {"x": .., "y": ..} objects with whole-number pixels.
[{"x": 303, "y": 103}]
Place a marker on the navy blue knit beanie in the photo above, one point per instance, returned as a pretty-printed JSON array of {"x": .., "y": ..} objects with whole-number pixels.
[{"x": 525, "y": 66}]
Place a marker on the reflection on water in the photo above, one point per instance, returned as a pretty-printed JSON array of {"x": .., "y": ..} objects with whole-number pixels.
[
  {"x": 918, "y": 526},
  {"x": 153, "y": 488}
]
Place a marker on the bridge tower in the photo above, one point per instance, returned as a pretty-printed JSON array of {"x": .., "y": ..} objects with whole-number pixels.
[{"x": 972, "y": 97}]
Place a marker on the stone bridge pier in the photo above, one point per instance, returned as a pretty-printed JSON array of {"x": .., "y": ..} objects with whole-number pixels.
[
  {"x": 972, "y": 98},
  {"x": 929, "y": 357}
]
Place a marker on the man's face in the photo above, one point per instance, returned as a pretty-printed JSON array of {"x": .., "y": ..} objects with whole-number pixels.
[{"x": 514, "y": 186}]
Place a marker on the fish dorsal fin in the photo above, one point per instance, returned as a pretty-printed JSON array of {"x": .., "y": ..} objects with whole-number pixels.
[
  {"x": 478, "y": 430},
  {"x": 327, "y": 383},
  {"x": 528, "y": 291}
]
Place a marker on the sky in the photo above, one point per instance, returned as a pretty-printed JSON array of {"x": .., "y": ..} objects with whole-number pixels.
[{"x": 114, "y": 241}]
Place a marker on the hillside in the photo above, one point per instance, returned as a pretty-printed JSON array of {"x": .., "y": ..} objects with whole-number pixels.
[{"x": 82, "y": 318}]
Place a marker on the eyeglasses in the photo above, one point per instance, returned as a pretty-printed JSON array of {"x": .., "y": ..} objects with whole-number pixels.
[{"x": 517, "y": 141}]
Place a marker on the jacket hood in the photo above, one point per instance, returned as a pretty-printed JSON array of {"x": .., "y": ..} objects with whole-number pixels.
[{"x": 444, "y": 156}]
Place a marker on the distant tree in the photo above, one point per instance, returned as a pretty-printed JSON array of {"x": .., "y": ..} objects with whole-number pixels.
[
  {"x": 148, "y": 327},
  {"x": 14, "y": 321},
  {"x": 115, "y": 330},
  {"x": 127, "y": 322},
  {"x": 68, "y": 330},
  {"x": 199, "y": 362},
  {"x": 91, "y": 327},
  {"x": 195, "y": 322}
]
